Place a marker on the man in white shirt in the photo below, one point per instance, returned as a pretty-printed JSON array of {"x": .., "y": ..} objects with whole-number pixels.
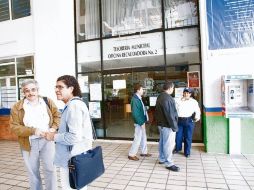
[
  {"x": 188, "y": 112},
  {"x": 31, "y": 119}
]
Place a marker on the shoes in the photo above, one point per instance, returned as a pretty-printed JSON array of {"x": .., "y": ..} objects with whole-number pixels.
[
  {"x": 187, "y": 155},
  {"x": 135, "y": 158},
  {"x": 146, "y": 155},
  {"x": 174, "y": 168},
  {"x": 161, "y": 162},
  {"x": 175, "y": 151}
]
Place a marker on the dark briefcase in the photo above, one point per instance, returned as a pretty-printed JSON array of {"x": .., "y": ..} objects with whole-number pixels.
[{"x": 84, "y": 168}]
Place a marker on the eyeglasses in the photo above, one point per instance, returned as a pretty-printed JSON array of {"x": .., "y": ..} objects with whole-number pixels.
[
  {"x": 26, "y": 91},
  {"x": 59, "y": 87}
]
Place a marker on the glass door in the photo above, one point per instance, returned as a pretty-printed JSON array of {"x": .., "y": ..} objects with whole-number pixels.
[{"x": 118, "y": 91}]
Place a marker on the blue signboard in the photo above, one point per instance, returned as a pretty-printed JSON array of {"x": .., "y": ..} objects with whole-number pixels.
[{"x": 230, "y": 23}]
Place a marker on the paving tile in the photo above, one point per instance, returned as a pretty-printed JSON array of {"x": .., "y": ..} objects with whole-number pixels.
[
  {"x": 237, "y": 187},
  {"x": 175, "y": 187},
  {"x": 195, "y": 188},
  {"x": 134, "y": 188},
  {"x": 137, "y": 183},
  {"x": 196, "y": 184},
  {"x": 116, "y": 186},
  {"x": 157, "y": 180},
  {"x": 98, "y": 184},
  {"x": 156, "y": 185},
  {"x": 217, "y": 185}
]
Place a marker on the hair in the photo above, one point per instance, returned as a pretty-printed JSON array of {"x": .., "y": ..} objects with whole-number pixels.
[
  {"x": 167, "y": 85},
  {"x": 137, "y": 87},
  {"x": 71, "y": 81},
  {"x": 29, "y": 81}
]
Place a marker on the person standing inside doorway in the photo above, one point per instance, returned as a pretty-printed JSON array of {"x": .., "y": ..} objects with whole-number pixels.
[
  {"x": 188, "y": 112},
  {"x": 140, "y": 117},
  {"x": 31, "y": 119},
  {"x": 166, "y": 118}
]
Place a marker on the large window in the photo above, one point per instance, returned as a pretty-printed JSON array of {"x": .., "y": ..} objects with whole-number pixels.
[
  {"x": 19, "y": 9},
  {"x": 87, "y": 18},
  {"x": 179, "y": 13},
  {"x": 12, "y": 71},
  {"x": 127, "y": 16}
]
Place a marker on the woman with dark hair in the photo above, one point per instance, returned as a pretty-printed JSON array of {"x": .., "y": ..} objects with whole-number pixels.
[{"x": 75, "y": 132}]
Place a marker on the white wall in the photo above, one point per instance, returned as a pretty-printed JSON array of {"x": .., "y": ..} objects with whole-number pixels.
[
  {"x": 216, "y": 63},
  {"x": 54, "y": 42},
  {"x": 16, "y": 38}
]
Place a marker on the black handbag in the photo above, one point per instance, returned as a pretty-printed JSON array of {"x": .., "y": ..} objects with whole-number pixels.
[{"x": 84, "y": 168}]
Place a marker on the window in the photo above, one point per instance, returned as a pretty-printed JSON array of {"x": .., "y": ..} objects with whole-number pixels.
[
  {"x": 87, "y": 18},
  {"x": 179, "y": 13},
  {"x": 11, "y": 71},
  {"x": 20, "y": 8},
  {"x": 25, "y": 66},
  {"x": 126, "y": 17},
  {"x": 4, "y": 10}
]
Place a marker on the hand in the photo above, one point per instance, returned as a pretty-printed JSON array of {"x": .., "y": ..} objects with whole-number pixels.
[
  {"x": 39, "y": 133},
  {"x": 50, "y": 136}
]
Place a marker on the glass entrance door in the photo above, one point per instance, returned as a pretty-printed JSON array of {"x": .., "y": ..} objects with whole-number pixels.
[{"x": 118, "y": 91}]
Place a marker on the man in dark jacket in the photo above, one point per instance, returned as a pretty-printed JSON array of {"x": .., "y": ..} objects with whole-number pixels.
[
  {"x": 166, "y": 118},
  {"x": 140, "y": 117}
]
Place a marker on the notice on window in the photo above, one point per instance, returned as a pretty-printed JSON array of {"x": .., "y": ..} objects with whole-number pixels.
[
  {"x": 119, "y": 84},
  {"x": 179, "y": 92},
  {"x": 83, "y": 82},
  {"x": 95, "y": 92},
  {"x": 193, "y": 79},
  {"x": 95, "y": 110},
  {"x": 152, "y": 100}
]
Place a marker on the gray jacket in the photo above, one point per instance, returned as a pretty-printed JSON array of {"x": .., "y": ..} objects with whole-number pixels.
[{"x": 79, "y": 137}]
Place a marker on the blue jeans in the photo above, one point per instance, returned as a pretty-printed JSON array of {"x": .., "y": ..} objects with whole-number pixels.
[
  {"x": 43, "y": 150},
  {"x": 184, "y": 134},
  {"x": 166, "y": 145},
  {"x": 139, "y": 140}
]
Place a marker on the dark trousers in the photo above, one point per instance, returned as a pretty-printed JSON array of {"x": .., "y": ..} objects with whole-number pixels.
[{"x": 184, "y": 134}]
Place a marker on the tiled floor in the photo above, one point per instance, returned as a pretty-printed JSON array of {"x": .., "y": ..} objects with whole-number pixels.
[{"x": 199, "y": 172}]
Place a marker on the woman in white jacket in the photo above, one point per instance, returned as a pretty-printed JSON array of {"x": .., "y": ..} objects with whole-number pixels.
[{"x": 75, "y": 132}]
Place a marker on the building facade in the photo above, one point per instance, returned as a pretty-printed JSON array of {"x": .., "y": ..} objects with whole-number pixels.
[{"x": 112, "y": 44}]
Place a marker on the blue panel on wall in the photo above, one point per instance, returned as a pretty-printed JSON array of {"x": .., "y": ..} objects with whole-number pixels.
[
  {"x": 5, "y": 111},
  {"x": 230, "y": 23}
]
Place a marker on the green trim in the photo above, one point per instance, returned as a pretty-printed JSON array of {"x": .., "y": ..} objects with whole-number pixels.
[
  {"x": 216, "y": 132},
  {"x": 247, "y": 133}
]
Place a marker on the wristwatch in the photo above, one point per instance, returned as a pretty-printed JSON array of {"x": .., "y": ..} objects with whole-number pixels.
[{"x": 52, "y": 130}]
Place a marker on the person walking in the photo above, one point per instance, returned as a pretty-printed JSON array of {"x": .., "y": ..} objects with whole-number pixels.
[
  {"x": 75, "y": 129},
  {"x": 31, "y": 118},
  {"x": 166, "y": 118},
  {"x": 188, "y": 112},
  {"x": 140, "y": 117}
]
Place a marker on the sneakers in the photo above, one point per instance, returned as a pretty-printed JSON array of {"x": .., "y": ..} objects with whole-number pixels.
[
  {"x": 187, "y": 155},
  {"x": 135, "y": 158},
  {"x": 146, "y": 155},
  {"x": 173, "y": 168}
]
